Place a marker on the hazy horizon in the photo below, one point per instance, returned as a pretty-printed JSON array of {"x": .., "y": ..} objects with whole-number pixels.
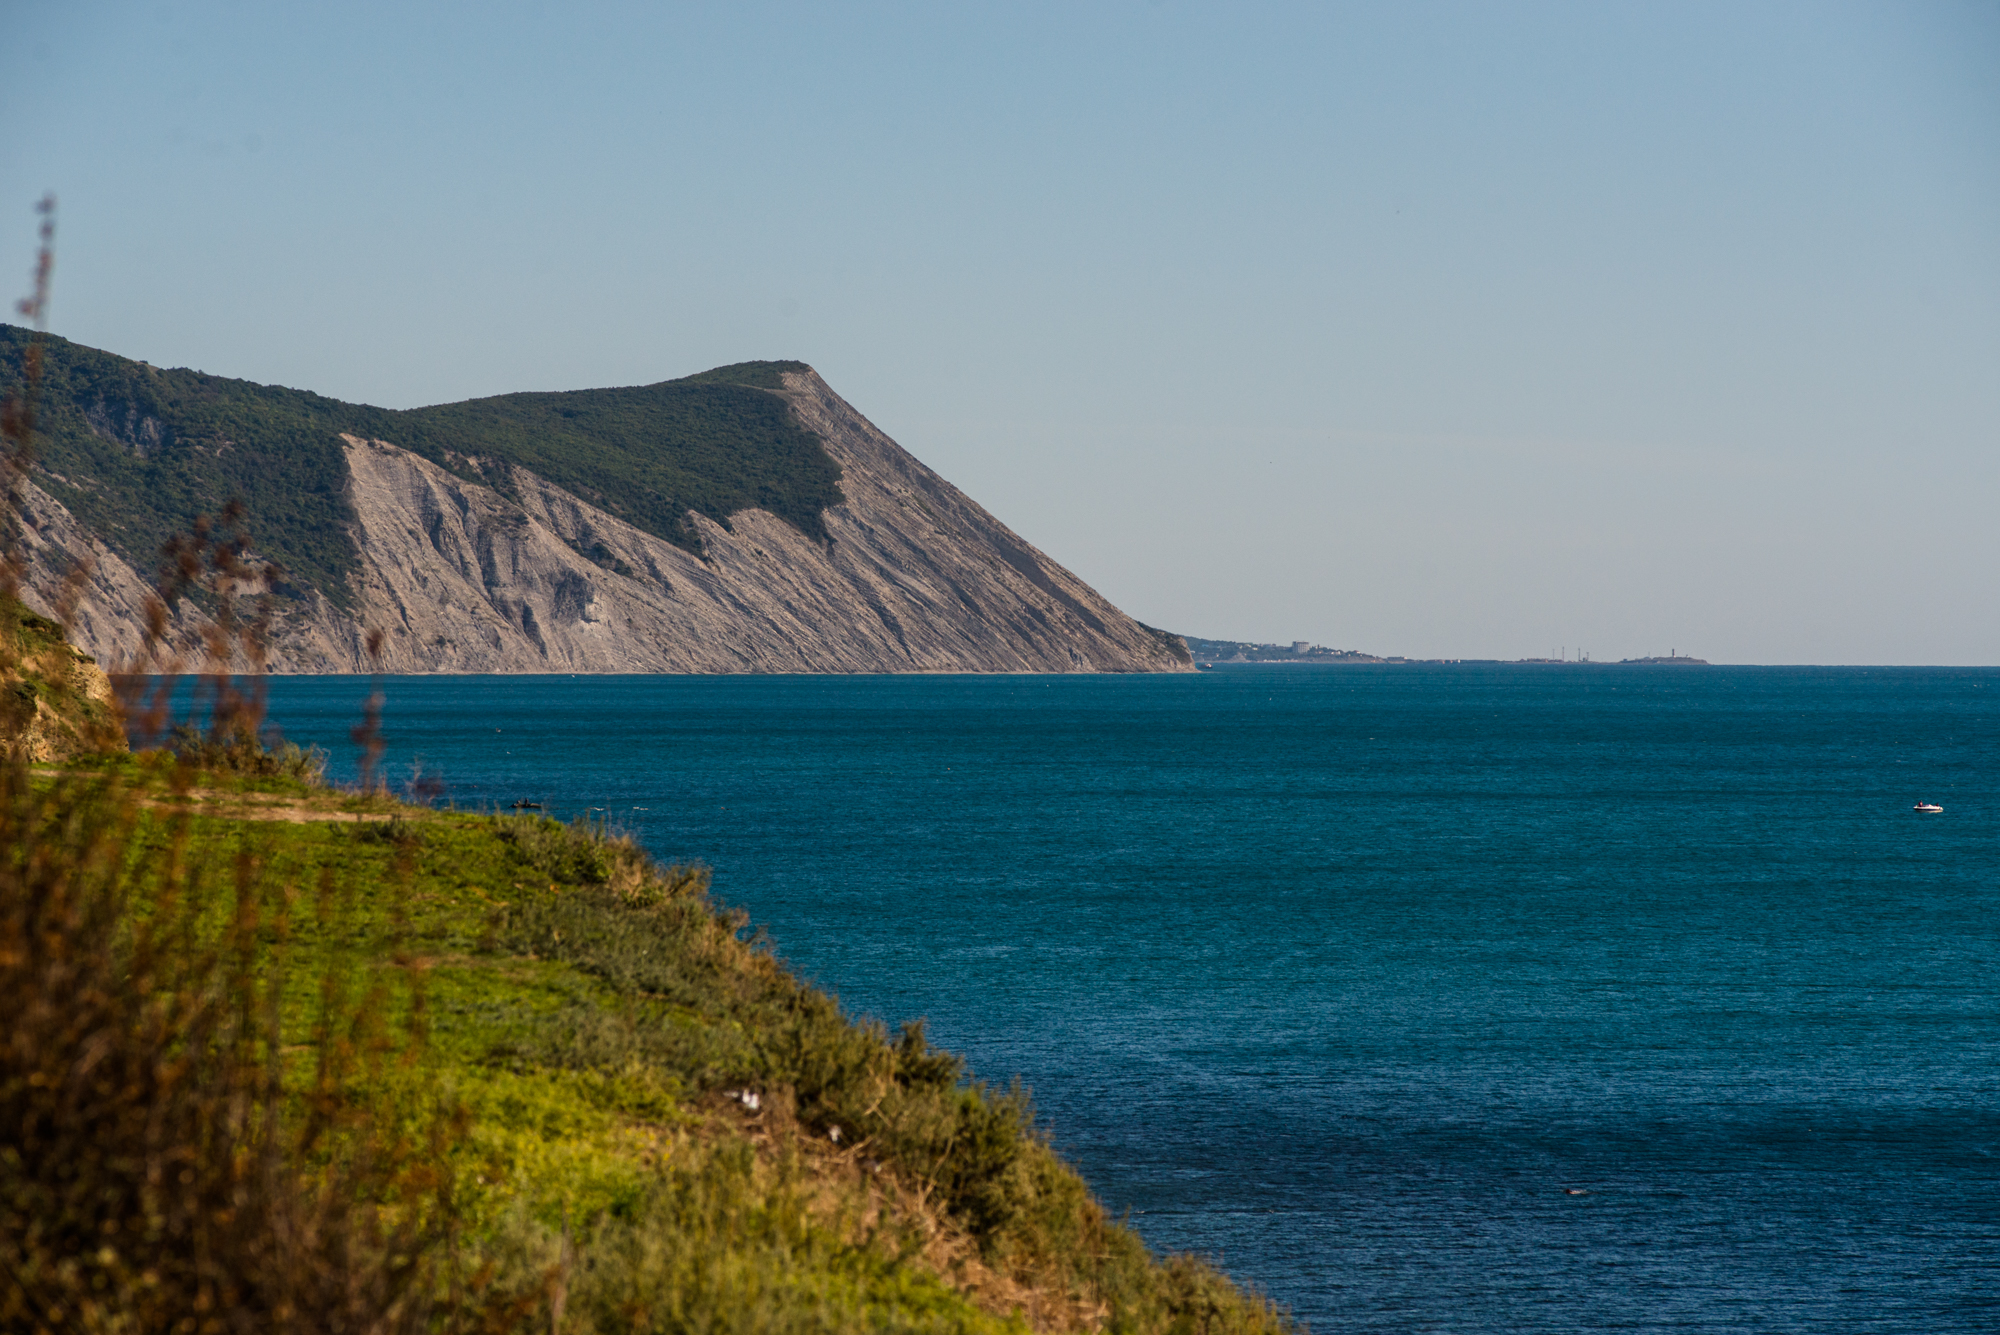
[{"x": 1442, "y": 330}]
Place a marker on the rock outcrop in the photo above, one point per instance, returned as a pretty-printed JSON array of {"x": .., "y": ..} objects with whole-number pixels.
[
  {"x": 527, "y": 577},
  {"x": 55, "y": 701}
]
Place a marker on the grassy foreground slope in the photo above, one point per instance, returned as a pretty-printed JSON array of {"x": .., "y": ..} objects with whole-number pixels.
[
  {"x": 137, "y": 452},
  {"x": 488, "y": 1072}
]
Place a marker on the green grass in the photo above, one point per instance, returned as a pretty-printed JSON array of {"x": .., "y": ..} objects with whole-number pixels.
[
  {"x": 573, "y": 1026},
  {"x": 137, "y": 453}
]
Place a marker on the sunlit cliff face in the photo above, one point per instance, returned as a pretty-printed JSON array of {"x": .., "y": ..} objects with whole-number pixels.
[{"x": 461, "y": 577}]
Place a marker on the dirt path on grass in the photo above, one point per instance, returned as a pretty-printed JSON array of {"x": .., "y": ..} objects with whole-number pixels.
[
  {"x": 252, "y": 807},
  {"x": 257, "y": 806}
]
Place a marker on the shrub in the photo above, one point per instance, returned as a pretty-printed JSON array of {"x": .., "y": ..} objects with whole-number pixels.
[{"x": 239, "y": 751}]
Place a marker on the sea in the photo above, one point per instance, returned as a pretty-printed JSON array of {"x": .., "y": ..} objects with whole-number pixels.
[{"x": 1536, "y": 998}]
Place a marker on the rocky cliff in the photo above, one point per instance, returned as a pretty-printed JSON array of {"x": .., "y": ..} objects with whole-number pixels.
[
  {"x": 470, "y": 564},
  {"x": 55, "y": 701}
]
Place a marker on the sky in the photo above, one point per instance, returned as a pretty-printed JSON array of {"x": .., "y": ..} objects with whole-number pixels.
[{"x": 1445, "y": 330}]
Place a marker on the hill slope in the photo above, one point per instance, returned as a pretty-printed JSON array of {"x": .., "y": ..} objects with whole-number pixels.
[
  {"x": 742, "y": 520},
  {"x": 593, "y": 1104}
]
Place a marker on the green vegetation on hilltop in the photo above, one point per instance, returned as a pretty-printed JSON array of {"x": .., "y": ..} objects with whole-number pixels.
[
  {"x": 137, "y": 452},
  {"x": 756, "y": 375},
  {"x": 715, "y": 443},
  {"x": 487, "y": 1073}
]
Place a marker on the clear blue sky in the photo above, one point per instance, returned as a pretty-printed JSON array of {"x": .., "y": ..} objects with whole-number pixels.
[{"x": 1436, "y": 329}]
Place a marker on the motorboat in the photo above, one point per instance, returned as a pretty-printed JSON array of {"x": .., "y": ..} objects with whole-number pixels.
[{"x": 1928, "y": 806}]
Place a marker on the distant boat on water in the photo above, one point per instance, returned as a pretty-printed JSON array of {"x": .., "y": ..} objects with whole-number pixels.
[{"x": 1928, "y": 806}]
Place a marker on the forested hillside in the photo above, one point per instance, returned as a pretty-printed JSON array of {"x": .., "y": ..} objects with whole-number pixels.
[{"x": 137, "y": 453}]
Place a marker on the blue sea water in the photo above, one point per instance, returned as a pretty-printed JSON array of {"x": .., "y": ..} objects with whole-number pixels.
[{"x": 1350, "y": 977}]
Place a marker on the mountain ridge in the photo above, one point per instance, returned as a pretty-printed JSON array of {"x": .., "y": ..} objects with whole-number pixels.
[{"x": 746, "y": 519}]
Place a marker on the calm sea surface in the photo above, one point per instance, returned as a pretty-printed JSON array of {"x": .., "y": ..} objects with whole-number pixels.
[{"x": 1345, "y": 976}]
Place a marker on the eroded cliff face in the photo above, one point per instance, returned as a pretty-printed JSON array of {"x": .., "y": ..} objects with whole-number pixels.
[
  {"x": 73, "y": 576},
  {"x": 460, "y": 577},
  {"x": 55, "y": 703}
]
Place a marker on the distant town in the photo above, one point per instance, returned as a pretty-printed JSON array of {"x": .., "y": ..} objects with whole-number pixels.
[{"x": 1207, "y": 653}]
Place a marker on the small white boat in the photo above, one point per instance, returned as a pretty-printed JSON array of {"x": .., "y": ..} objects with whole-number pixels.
[{"x": 1928, "y": 806}]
